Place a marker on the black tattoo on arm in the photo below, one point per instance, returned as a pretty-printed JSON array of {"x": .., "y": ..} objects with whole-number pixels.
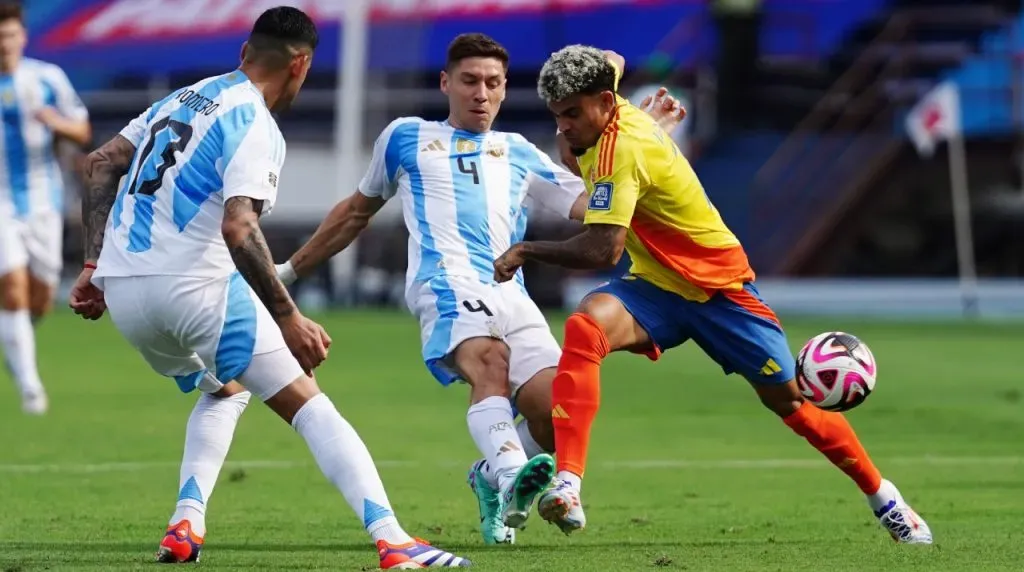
[
  {"x": 249, "y": 251},
  {"x": 103, "y": 169},
  {"x": 599, "y": 246}
]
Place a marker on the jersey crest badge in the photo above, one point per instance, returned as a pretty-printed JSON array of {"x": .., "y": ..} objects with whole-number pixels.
[
  {"x": 601, "y": 198},
  {"x": 465, "y": 145}
]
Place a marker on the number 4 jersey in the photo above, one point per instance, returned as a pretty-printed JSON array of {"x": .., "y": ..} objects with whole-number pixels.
[
  {"x": 464, "y": 195},
  {"x": 195, "y": 149}
]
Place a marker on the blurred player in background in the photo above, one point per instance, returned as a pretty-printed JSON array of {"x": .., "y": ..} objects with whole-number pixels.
[
  {"x": 690, "y": 279},
  {"x": 189, "y": 281},
  {"x": 40, "y": 108},
  {"x": 464, "y": 190}
]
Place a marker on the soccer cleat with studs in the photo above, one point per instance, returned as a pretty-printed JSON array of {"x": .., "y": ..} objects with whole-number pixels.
[
  {"x": 180, "y": 545},
  {"x": 561, "y": 505}
]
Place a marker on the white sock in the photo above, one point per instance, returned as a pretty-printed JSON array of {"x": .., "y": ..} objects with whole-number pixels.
[
  {"x": 530, "y": 446},
  {"x": 208, "y": 435},
  {"x": 571, "y": 478},
  {"x": 887, "y": 493},
  {"x": 345, "y": 461},
  {"x": 493, "y": 429},
  {"x": 19, "y": 344}
]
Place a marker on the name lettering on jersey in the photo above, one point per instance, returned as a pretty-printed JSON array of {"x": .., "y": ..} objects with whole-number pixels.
[
  {"x": 465, "y": 145},
  {"x": 435, "y": 145},
  {"x": 198, "y": 103},
  {"x": 601, "y": 198}
]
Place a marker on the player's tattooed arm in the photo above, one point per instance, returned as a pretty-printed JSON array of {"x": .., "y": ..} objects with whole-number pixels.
[
  {"x": 598, "y": 246},
  {"x": 103, "y": 169},
  {"x": 249, "y": 251}
]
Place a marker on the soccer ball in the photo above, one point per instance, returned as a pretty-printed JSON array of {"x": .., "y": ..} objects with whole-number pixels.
[{"x": 836, "y": 371}]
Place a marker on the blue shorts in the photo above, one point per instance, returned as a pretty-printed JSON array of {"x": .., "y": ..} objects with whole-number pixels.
[{"x": 736, "y": 329}]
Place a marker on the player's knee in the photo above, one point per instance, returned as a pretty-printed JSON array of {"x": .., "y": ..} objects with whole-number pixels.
[
  {"x": 14, "y": 293},
  {"x": 585, "y": 334},
  {"x": 487, "y": 371},
  {"x": 781, "y": 399},
  {"x": 287, "y": 402}
]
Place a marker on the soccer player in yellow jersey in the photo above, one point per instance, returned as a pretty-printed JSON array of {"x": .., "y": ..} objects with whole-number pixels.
[{"x": 690, "y": 279}]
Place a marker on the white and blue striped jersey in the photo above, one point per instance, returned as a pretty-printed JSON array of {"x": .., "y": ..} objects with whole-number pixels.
[
  {"x": 464, "y": 195},
  {"x": 30, "y": 177},
  {"x": 195, "y": 149}
]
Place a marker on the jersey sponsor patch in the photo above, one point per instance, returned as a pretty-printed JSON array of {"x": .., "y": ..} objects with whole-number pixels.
[
  {"x": 272, "y": 179},
  {"x": 601, "y": 199}
]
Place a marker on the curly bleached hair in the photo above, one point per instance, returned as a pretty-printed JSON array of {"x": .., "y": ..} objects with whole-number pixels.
[{"x": 575, "y": 69}]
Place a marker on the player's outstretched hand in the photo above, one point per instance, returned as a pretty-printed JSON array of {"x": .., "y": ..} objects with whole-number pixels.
[
  {"x": 307, "y": 340},
  {"x": 506, "y": 265},
  {"x": 86, "y": 299},
  {"x": 665, "y": 109}
]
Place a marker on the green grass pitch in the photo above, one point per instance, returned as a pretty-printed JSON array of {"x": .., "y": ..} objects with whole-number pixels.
[{"x": 688, "y": 472}]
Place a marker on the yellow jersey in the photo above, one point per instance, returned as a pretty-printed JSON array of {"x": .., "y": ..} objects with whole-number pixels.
[{"x": 636, "y": 177}]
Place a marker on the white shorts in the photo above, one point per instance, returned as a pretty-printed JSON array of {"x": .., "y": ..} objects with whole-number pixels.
[
  {"x": 203, "y": 332},
  {"x": 452, "y": 310},
  {"x": 35, "y": 242}
]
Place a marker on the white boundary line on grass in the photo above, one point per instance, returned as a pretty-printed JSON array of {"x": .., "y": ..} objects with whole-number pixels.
[{"x": 650, "y": 464}]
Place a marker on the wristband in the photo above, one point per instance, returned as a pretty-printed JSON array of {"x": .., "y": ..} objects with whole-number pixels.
[
  {"x": 90, "y": 265},
  {"x": 286, "y": 273}
]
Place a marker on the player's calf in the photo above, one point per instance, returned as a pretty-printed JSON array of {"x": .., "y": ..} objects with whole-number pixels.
[
  {"x": 208, "y": 436},
  {"x": 534, "y": 403},
  {"x": 18, "y": 342},
  {"x": 341, "y": 455},
  {"x": 831, "y": 434},
  {"x": 483, "y": 363},
  {"x": 827, "y": 432},
  {"x": 41, "y": 296}
]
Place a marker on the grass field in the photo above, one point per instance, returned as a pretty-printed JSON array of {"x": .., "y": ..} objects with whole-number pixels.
[{"x": 687, "y": 473}]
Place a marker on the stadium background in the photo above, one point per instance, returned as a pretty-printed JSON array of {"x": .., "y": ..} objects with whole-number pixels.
[
  {"x": 800, "y": 141},
  {"x": 798, "y": 137}
]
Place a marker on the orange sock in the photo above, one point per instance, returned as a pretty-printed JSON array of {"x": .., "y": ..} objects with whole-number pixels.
[
  {"x": 831, "y": 434},
  {"x": 576, "y": 391}
]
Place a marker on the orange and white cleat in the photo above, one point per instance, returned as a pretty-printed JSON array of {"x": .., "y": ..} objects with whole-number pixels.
[
  {"x": 561, "y": 505},
  {"x": 415, "y": 555},
  {"x": 180, "y": 545}
]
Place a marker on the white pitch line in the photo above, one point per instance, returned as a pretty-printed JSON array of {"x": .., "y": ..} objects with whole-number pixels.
[{"x": 650, "y": 464}]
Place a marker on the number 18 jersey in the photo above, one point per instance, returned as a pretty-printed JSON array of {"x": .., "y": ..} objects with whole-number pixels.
[{"x": 195, "y": 149}]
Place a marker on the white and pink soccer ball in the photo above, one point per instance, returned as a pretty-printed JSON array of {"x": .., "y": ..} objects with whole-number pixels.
[{"x": 836, "y": 371}]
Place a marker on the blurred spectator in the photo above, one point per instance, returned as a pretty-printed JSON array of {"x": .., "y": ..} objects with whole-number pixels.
[{"x": 739, "y": 28}]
